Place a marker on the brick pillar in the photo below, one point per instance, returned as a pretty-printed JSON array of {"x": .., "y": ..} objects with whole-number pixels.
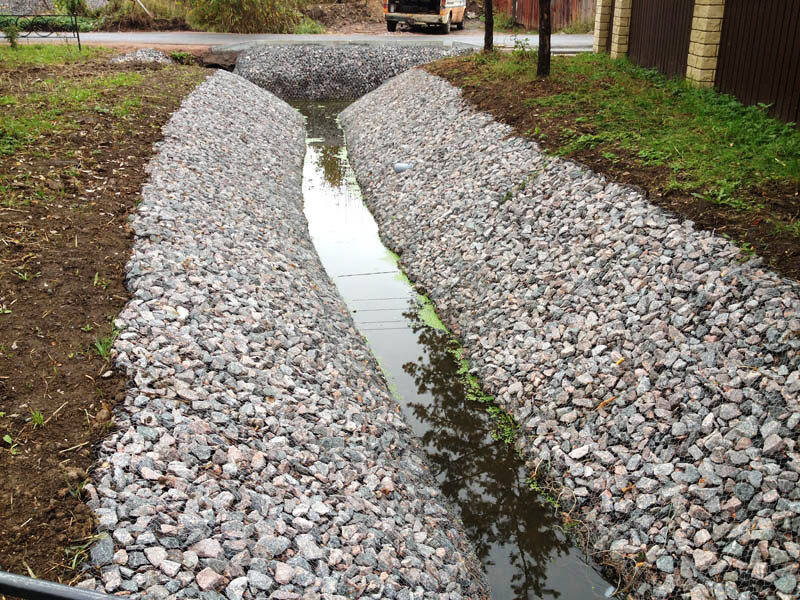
[
  {"x": 602, "y": 24},
  {"x": 701, "y": 66},
  {"x": 621, "y": 29}
]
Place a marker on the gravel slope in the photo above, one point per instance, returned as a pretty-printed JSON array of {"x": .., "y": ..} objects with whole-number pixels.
[
  {"x": 653, "y": 373},
  {"x": 259, "y": 453},
  {"x": 311, "y": 72}
]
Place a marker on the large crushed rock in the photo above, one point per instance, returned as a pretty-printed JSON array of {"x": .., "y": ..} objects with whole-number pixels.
[
  {"x": 306, "y": 72},
  {"x": 656, "y": 375},
  {"x": 143, "y": 55},
  {"x": 259, "y": 453}
]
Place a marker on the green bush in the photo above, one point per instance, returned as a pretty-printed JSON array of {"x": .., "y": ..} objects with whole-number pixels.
[
  {"x": 308, "y": 26},
  {"x": 72, "y": 7},
  {"x": 50, "y": 24},
  {"x": 246, "y": 16},
  {"x": 127, "y": 14},
  {"x": 11, "y": 31}
]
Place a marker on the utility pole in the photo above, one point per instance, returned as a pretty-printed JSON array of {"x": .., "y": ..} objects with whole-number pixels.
[
  {"x": 488, "y": 26},
  {"x": 543, "y": 67}
]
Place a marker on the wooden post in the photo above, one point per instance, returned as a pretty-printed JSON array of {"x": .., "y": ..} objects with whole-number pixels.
[
  {"x": 488, "y": 26},
  {"x": 543, "y": 68}
]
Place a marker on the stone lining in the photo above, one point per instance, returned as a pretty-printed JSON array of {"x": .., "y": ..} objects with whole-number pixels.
[
  {"x": 655, "y": 375},
  {"x": 332, "y": 72},
  {"x": 258, "y": 453}
]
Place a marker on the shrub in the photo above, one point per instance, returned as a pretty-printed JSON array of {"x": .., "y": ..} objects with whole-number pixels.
[
  {"x": 308, "y": 26},
  {"x": 246, "y": 16},
  {"x": 127, "y": 14},
  {"x": 11, "y": 31}
]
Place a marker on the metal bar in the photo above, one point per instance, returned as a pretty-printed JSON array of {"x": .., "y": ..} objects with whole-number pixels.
[
  {"x": 37, "y": 589},
  {"x": 77, "y": 30}
]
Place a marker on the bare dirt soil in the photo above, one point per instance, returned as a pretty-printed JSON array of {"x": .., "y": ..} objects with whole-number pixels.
[{"x": 65, "y": 196}]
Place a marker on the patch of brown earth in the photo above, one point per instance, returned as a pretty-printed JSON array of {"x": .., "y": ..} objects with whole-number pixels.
[{"x": 64, "y": 241}]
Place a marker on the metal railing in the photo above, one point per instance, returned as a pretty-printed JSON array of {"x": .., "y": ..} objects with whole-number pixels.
[
  {"x": 37, "y": 589},
  {"x": 46, "y": 26}
]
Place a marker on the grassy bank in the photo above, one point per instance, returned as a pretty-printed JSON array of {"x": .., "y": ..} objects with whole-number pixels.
[
  {"x": 730, "y": 168},
  {"x": 75, "y": 135}
]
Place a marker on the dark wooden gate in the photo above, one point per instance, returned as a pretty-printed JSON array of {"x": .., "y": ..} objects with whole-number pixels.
[
  {"x": 562, "y": 12},
  {"x": 659, "y": 35},
  {"x": 759, "y": 55},
  {"x": 610, "y": 27}
]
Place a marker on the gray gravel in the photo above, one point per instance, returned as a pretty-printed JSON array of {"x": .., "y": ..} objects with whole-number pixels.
[
  {"x": 653, "y": 373},
  {"x": 143, "y": 55},
  {"x": 331, "y": 72},
  {"x": 259, "y": 453}
]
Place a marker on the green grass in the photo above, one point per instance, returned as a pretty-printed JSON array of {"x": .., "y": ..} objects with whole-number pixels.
[
  {"x": 44, "y": 108},
  {"x": 712, "y": 144},
  {"x": 47, "y": 54}
]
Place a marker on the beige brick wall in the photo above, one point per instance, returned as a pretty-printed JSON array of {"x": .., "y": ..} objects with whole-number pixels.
[
  {"x": 621, "y": 28},
  {"x": 602, "y": 24},
  {"x": 704, "y": 42}
]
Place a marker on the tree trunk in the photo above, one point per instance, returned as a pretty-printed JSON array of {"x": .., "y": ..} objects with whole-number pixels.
[
  {"x": 488, "y": 26},
  {"x": 543, "y": 68}
]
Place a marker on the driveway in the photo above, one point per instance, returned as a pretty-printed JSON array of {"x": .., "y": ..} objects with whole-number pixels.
[{"x": 235, "y": 42}]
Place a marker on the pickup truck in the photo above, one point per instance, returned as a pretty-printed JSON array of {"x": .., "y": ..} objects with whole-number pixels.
[{"x": 438, "y": 13}]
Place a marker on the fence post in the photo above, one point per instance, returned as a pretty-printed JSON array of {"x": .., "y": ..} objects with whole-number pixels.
[
  {"x": 621, "y": 28},
  {"x": 701, "y": 66},
  {"x": 602, "y": 24}
]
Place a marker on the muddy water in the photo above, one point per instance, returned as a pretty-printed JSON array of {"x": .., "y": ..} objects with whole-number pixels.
[{"x": 515, "y": 533}]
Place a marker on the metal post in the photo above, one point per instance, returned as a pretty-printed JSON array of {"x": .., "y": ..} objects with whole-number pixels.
[
  {"x": 76, "y": 29},
  {"x": 37, "y": 589}
]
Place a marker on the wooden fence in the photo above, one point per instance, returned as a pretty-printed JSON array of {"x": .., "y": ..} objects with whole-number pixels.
[
  {"x": 659, "y": 34},
  {"x": 562, "y": 12},
  {"x": 759, "y": 54}
]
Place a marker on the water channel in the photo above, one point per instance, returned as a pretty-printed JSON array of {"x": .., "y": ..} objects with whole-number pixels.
[{"x": 516, "y": 535}]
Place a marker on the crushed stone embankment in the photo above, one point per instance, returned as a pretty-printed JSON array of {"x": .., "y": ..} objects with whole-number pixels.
[
  {"x": 259, "y": 453},
  {"x": 333, "y": 72},
  {"x": 653, "y": 373}
]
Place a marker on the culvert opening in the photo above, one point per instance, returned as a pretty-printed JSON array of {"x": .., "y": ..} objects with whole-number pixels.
[{"x": 515, "y": 530}]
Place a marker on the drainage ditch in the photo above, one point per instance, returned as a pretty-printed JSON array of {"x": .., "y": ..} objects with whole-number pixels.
[{"x": 514, "y": 530}]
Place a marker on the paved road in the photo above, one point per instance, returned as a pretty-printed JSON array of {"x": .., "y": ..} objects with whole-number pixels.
[{"x": 234, "y": 42}]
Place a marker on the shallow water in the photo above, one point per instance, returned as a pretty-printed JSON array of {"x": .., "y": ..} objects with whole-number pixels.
[{"x": 515, "y": 533}]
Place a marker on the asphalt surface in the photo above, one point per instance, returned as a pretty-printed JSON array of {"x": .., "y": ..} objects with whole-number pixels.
[{"x": 235, "y": 42}]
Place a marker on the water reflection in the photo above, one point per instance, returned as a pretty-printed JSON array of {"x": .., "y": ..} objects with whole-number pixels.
[{"x": 515, "y": 534}]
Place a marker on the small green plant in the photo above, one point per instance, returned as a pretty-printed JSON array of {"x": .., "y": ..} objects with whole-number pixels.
[
  {"x": 77, "y": 490},
  {"x": 308, "y": 26},
  {"x": 87, "y": 328},
  {"x": 100, "y": 281},
  {"x": 182, "y": 58},
  {"x": 23, "y": 275},
  {"x": 103, "y": 345},
  {"x": 37, "y": 418},
  {"x": 77, "y": 554},
  {"x": 544, "y": 493},
  {"x": 4, "y": 310},
  {"x": 13, "y": 447},
  {"x": 11, "y": 31}
]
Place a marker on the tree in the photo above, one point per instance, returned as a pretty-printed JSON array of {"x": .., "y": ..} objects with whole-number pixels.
[
  {"x": 488, "y": 26},
  {"x": 543, "y": 68}
]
